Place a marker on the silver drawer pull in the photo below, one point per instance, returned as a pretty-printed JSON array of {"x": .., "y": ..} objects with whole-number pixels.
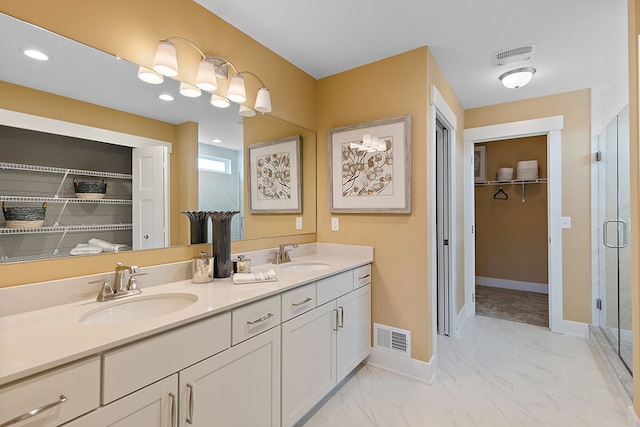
[
  {"x": 34, "y": 412},
  {"x": 304, "y": 301},
  {"x": 364, "y": 277},
  {"x": 262, "y": 319},
  {"x": 173, "y": 409},
  {"x": 189, "y": 419}
]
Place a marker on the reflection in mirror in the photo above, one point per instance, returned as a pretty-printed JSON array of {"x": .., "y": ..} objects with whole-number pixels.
[{"x": 112, "y": 97}]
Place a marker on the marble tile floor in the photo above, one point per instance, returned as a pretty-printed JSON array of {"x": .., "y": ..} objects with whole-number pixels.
[{"x": 495, "y": 373}]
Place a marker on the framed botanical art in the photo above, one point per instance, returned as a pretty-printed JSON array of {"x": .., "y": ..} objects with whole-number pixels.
[
  {"x": 275, "y": 176},
  {"x": 370, "y": 167},
  {"x": 479, "y": 163}
]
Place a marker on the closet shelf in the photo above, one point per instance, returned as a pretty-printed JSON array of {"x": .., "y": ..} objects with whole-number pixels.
[
  {"x": 64, "y": 200},
  {"x": 514, "y": 181},
  {"x": 66, "y": 229},
  {"x": 43, "y": 256},
  {"x": 49, "y": 169}
]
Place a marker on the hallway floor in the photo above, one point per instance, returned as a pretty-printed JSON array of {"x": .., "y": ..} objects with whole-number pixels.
[
  {"x": 509, "y": 304},
  {"x": 496, "y": 373}
]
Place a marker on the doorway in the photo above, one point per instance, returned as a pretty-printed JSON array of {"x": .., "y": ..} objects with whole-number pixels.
[
  {"x": 511, "y": 244},
  {"x": 444, "y": 290}
]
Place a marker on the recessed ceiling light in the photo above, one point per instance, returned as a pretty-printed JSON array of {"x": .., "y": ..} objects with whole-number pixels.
[
  {"x": 216, "y": 140},
  {"x": 166, "y": 97},
  {"x": 36, "y": 54}
]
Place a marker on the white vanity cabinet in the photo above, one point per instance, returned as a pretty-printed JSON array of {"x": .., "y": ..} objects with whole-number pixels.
[
  {"x": 238, "y": 387},
  {"x": 55, "y": 397},
  {"x": 155, "y": 405},
  {"x": 321, "y": 346}
]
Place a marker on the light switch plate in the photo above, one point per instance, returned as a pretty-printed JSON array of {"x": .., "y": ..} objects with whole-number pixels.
[
  {"x": 298, "y": 223},
  {"x": 335, "y": 224},
  {"x": 565, "y": 222}
]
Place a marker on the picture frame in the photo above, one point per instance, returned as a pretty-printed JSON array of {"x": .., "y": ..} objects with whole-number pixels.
[
  {"x": 275, "y": 176},
  {"x": 363, "y": 181},
  {"x": 479, "y": 163}
]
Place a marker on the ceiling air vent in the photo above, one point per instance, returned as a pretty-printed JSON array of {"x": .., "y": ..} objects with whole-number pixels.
[
  {"x": 392, "y": 339},
  {"x": 515, "y": 55}
]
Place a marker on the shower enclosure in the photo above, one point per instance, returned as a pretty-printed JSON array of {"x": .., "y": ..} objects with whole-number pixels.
[{"x": 614, "y": 258}]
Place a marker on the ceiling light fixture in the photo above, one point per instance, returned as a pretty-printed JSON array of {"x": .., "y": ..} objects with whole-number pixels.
[
  {"x": 166, "y": 97},
  {"x": 210, "y": 68},
  {"x": 517, "y": 78},
  {"x": 36, "y": 54},
  {"x": 217, "y": 140},
  {"x": 370, "y": 144}
]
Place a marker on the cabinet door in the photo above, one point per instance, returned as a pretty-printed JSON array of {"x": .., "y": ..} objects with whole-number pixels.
[
  {"x": 238, "y": 387},
  {"x": 308, "y": 361},
  {"x": 154, "y": 405},
  {"x": 354, "y": 330}
]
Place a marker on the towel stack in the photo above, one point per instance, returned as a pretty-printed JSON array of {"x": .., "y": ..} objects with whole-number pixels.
[
  {"x": 243, "y": 278},
  {"x": 96, "y": 246}
]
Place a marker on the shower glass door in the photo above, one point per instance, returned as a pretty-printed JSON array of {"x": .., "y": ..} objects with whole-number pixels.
[{"x": 614, "y": 253}]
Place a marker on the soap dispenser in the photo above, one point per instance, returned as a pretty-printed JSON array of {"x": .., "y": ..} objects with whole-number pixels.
[{"x": 202, "y": 269}]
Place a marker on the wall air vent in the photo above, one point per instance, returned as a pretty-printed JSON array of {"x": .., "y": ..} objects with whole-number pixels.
[
  {"x": 393, "y": 340},
  {"x": 516, "y": 55}
]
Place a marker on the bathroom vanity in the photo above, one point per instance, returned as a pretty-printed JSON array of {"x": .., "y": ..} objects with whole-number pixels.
[{"x": 261, "y": 354}]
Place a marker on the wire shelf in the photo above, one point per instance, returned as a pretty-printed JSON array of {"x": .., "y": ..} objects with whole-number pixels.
[
  {"x": 67, "y": 229},
  {"x": 50, "y": 169},
  {"x": 5, "y": 259},
  {"x": 514, "y": 181},
  {"x": 63, "y": 200}
]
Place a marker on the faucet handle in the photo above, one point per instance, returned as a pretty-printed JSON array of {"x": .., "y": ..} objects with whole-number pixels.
[{"x": 105, "y": 290}]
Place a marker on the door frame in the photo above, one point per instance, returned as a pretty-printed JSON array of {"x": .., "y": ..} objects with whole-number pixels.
[{"x": 552, "y": 127}]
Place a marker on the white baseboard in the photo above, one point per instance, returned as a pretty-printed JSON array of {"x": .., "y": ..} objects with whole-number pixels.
[
  {"x": 569, "y": 327},
  {"x": 417, "y": 369},
  {"x": 460, "y": 318},
  {"x": 632, "y": 420},
  {"x": 541, "y": 288}
]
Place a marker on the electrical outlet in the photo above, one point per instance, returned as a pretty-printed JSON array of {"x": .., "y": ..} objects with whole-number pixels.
[
  {"x": 298, "y": 223},
  {"x": 335, "y": 224}
]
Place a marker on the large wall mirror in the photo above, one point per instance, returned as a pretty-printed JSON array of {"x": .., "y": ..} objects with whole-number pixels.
[{"x": 91, "y": 88}]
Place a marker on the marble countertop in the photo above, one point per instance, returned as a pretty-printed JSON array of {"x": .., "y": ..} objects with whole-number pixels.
[{"x": 37, "y": 340}]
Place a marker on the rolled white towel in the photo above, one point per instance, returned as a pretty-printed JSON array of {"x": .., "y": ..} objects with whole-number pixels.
[
  {"x": 242, "y": 278},
  {"x": 112, "y": 247},
  {"x": 85, "y": 249}
]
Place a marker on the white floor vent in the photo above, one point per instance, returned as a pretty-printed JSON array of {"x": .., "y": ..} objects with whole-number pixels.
[{"x": 393, "y": 340}]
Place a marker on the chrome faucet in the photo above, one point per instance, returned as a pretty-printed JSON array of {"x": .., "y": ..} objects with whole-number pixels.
[
  {"x": 282, "y": 255},
  {"x": 119, "y": 288}
]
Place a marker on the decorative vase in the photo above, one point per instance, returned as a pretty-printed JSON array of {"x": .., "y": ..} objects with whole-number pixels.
[
  {"x": 221, "y": 233},
  {"x": 199, "y": 221}
]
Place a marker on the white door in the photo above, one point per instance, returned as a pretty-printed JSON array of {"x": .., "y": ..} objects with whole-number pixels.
[
  {"x": 354, "y": 330},
  {"x": 150, "y": 198},
  {"x": 443, "y": 229}
]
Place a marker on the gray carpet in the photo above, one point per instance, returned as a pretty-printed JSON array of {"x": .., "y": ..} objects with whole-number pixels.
[{"x": 518, "y": 306}]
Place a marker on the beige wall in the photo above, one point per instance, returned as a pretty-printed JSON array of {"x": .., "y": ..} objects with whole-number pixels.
[
  {"x": 634, "y": 162},
  {"x": 132, "y": 29},
  {"x": 576, "y": 184},
  {"x": 401, "y": 295},
  {"x": 511, "y": 236}
]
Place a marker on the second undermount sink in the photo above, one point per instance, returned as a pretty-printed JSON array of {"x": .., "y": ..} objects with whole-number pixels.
[
  {"x": 304, "y": 266},
  {"x": 139, "y": 308}
]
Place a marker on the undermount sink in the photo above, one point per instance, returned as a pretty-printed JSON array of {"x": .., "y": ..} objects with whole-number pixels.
[
  {"x": 140, "y": 308},
  {"x": 304, "y": 266}
]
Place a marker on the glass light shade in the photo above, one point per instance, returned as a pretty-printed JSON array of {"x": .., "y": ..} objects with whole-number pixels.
[
  {"x": 166, "y": 59},
  {"x": 149, "y": 76},
  {"x": 247, "y": 111},
  {"x": 517, "y": 78},
  {"x": 189, "y": 91},
  {"x": 236, "y": 91},
  {"x": 206, "y": 76},
  {"x": 263, "y": 100},
  {"x": 218, "y": 101}
]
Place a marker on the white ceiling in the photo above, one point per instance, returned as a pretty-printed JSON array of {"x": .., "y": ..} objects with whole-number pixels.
[{"x": 579, "y": 43}]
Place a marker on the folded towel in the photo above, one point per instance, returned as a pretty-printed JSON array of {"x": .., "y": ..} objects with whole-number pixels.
[
  {"x": 112, "y": 247},
  {"x": 242, "y": 278},
  {"x": 85, "y": 249}
]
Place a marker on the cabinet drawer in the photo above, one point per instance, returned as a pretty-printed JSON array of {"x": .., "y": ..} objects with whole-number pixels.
[
  {"x": 298, "y": 301},
  {"x": 332, "y": 287},
  {"x": 361, "y": 276},
  {"x": 255, "y": 318},
  {"x": 79, "y": 383},
  {"x": 134, "y": 366}
]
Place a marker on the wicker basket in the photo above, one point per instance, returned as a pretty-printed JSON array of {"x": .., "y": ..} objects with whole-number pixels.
[
  {"x": 24, "y": 216},
  {"x": 90, "y": 190}
]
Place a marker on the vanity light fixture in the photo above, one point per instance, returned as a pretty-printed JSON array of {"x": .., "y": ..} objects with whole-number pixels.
[
  {"x": 370, "y": 144},
  {"x": 246, "y": 111},
  {"x": 189, "y": 91},
  {"x": 210, "y": 68},
  {"x": 166, "y": 97},
  {"x": 149, "y": 76},
  {"x": 218, "y": 101},
  {"x": 36, "y": 54},
  {"x": 517, "y": 78}
]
